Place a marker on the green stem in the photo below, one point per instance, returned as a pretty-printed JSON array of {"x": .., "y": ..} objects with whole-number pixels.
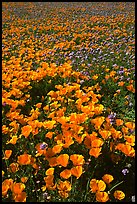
[{"x": 116, "y": 186}]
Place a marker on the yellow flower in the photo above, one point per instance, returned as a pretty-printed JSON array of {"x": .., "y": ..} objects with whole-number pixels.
[{"x": 119, "y": 195}]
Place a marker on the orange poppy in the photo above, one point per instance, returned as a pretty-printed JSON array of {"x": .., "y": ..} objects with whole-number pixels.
[
  {"x": 107, "y": 178},
  {"x": 57, "y": 149},
  {"x": 7, "y": 154},
  {"x": 121, "y": 83},
  {"x": 102, "y": 196},
  {"x": 8, "y": 182},
  {"x": 63, "y": 160},
  {"x": 49, "y": 135},
  {"x": 126, "y": 149},
  {"x": 130, "y": 125},
  {"x": 77, "y": 159},
  {"x": 130, "y": 140},
  {"x": 20, "y": 197},
  {"x": 65, "y": 174},
  {"x": 13, "y": 167},
  {"x": 76, "y": 171},
  {"x": 26, "y": 130},
  {"x": 119, "y": 195},
  {"x": 97, "y": 143},
  {"x": 52, "y": 161},
  {"x": 64, "y": 186},
  {"x": 24, "y": 159},
  {"x": 119, "y": 122},
  {"x": 63, "y": 194},
  {"x": 24, "y": 179},
  {"x": 97, "y": 185},
  {"x": 49, "y": 182},
  {"x": 17, "y": 188},
  {"x": 98, "y": 122},
  {"x": 5, "y": 189},
  {"x": 50, "y": 171},
  {"x": 95, "y": 152},
  {"x": 105, "y": 134}
]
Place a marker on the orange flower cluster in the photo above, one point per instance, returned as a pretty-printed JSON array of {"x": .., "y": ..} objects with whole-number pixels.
[{"x": 60, "y": 89}]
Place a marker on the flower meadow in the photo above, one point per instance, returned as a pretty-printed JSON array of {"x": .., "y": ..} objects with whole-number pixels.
[{"x": 68, "y": 101}]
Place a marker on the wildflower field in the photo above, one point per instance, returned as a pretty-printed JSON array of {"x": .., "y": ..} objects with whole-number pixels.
[{"x": 68, "y": 101}]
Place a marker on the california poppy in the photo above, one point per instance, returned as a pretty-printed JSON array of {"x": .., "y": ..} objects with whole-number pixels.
[
  {"x": 119, "y": 195},
  {"x": 13, "y": 167},
  {"x": 95, "y": 152},
  {"x": 63, "y": 160},
  {"x": 97, "y": 185},
  {"x": 107, "y": 178},
  {"x": 76, "y": 171},
  {"x": 26, "y": 130},
  {"x": 77, "y": 159},
  {"x": 50, "y": 171},
  {"x": 20, "y": 197},
  {"x": 102, "y": 196},
  {"x": 24, "y": 159},
  {"x": 65, "y": 174},
  {"x": 7, "y": 154},
  {"x": 17, "y": 188}
]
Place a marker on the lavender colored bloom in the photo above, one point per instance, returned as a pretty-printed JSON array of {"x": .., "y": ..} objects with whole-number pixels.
[
  {"x": 121, "y": 72},
  {"x": 4, "y": 104},
  {"x": 125, "y": 171},
  {"x": 43, "y": 146}
]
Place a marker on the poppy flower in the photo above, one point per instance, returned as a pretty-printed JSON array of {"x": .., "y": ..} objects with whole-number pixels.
[
  {"x": 65, "y": 174},
  {"x": 76, "y": 171},
  {"x": 5, "y": 189},
  {"x": 119, "y": 122},
  {"x": 26, "y": 130},
  {"x": 107, "y": 178},
  {"x": 49, "y": 124},
  {"x": 52, "y": 161},
  {"x": 105, "y": 134},
  {"x": 130, "y": 140},
  {"x": 64, "y": 186},
  {"x": 95, "y": 152},
  {"x": 130, "y": 125},
  {"x": 17, "y": 188},
  {"x": 57, "y": 149},
  {"x": 24, "y": 179},
  {"x": 24, "y": 159},
  {"x": 49, "y": 135},
  {"x": 97, "y": 185},
  {"x": 98, "y": 122},
  {"x": 119, "y": 195},
  {"x": 50, "y": 171},
  {"x": 7, "y": 154},
  {"x": 63, "y": 160},
  {"x": 77, "y": 159},
  {"x": 13, "y": 167},
  {"x": 97, "y": 143},
  {"x": 102, "y": 196},
  {"x": 63, "y": 194},
  {"x": 8, "y": 182},
  {"x": 13, "y": 140},
  {"x": 20, "y": 197}
]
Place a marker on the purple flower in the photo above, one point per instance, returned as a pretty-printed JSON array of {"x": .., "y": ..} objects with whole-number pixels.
[
  {"x": 4, "y": 104},
  {"x": 125, "y": 171},
  {"x": 43, "y": 146}
]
